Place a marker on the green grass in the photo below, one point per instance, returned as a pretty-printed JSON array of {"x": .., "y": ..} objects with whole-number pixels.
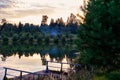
[
  {"x": 108, "y": 76},
  {"x": 100, "y": 77}
]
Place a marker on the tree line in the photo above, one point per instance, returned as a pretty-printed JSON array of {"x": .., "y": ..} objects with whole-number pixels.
[{"x": 30, "y": 32}]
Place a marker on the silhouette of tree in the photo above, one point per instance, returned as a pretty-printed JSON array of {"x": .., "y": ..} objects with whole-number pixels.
[
  {"x": 44, "y": 20},
  {"x": 4, "y": 21}
]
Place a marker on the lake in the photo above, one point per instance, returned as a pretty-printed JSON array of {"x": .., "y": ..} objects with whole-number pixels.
[{"x": 32, "y": 57}]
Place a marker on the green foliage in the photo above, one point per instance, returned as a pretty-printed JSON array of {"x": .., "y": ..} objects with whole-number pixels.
[
  {"x": 5, "y": 39},
  {"x": 99, "y": 41},
  {"x": 99, "y": 78},
  {"x": 108, "y": 76},
  {"x": 15, "y": 37},
  {"x": 63, "y": 40},
  {"x": 113, "y": 76},
  {"x": 47, "y": 39},
  {"x": 31, "y": 33},
  {"x": 56, "y": 40},
  {"x": 79, "y": 75}
]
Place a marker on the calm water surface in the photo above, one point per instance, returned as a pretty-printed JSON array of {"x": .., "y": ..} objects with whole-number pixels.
[
  {"x": 31, "y": 63},
  {"x": 32, "y": 57}
]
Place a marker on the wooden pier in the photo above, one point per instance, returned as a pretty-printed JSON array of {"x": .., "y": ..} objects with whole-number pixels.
[
  {"x": 28, "y": 76},
  {"x": 25, "y": 75},
  {"x": 61, "y": 67}
]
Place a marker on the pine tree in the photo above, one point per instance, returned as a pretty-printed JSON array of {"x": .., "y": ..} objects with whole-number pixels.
[{"x": 99, "y": 35}]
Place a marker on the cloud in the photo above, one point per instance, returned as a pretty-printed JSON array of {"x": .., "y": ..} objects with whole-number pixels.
[
  {"x": 12, "y": 9},
  {"x": 2, "y": 5},
  {"x": 43, "y": 6},
  {"x": 5, "y": 3},
  {"x": 15, "y": 9},
  {"x": 18, "y": 13},
  {"x": 34, "y": 12}
]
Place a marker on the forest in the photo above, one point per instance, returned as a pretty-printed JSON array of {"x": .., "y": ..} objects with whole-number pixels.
[{"x": 55, "y": 31}]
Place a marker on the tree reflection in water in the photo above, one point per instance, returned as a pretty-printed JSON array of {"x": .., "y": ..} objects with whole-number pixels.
[{"x": 56, "y": 52}]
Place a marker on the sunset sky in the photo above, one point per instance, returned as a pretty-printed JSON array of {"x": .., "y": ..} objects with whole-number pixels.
[{"x": 31, "y": 11}]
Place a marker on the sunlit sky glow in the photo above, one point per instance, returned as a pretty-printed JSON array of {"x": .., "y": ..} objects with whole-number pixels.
[{"x": 32, "y": 10}]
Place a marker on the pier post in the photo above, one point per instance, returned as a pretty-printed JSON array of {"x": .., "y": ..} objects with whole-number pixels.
[
  {"x": 38, "y": 77},
  {"x": 46, "y": 67},
  {"x": 61, "y": 67},
  {"x": 33, "y": 77},
  {"x": 5, "y": 74},
  {"x": 20, "y": 75}
]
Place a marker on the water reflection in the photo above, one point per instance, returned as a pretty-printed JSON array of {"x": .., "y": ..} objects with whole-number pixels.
[{"x": 55, "y": 52}]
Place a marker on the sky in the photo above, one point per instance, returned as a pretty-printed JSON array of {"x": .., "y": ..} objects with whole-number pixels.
[{"x": 31, "y": 11}]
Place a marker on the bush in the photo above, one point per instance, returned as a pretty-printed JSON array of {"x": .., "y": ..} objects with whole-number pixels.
[
  {"x": 113, "y": 76},
  {"x": 5, "y": 39}
]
